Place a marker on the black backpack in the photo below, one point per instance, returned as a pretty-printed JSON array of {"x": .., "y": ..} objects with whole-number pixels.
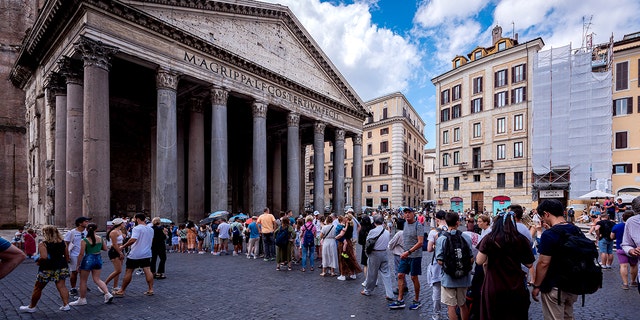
[
  {"x": 576, "y": 264},
  {"x": 457, "y": 255},
  {"x": 282, "y": 238}
]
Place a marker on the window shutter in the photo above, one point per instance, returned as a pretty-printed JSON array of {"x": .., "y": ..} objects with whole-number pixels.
[
  {"x": 513, "y": 95},
  {"x": 630, "y": 105},
  {"x": 524, "y": 93},
  {"x": 613, "y": 108},
  {"x": 495, "y": 80},
  {"x": 629, "y": 168},
  {"x": 506, "y": 98},
  {"x": 524, "y": 71},
  {"x": 495, "y": 100},
  {"x": 638, "y": 168},
  {"x": 480, "y": 104},
  {"x": 513, "y": 74},
  {"x": 480, "y": 85}
]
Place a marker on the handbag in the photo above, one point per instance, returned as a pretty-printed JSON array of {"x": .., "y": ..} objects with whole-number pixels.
[{"x": 371, "y": 243}]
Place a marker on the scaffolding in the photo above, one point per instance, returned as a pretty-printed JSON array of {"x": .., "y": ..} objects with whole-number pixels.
[{"x": 571, "y": 123}]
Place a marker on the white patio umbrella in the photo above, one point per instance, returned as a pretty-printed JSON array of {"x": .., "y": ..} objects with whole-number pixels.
[
  {"x": 596, "y": 194},
  {"x": 626, "y": 198}
]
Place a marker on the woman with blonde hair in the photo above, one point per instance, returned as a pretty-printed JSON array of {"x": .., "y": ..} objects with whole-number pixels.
[
  {"x": 116, "y": 255},
  {"x": 52, "y": 267}
]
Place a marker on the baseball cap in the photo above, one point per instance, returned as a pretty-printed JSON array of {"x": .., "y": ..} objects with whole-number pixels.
[
  {"x": 117, "y": 221},
  {"x": 350, "y": 210},
  {"x": 315, "y": 213},
  {"x": 81, "y": 220}
]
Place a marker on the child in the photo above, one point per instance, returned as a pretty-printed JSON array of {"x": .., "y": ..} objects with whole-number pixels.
[
  {"x": 30, "y": 243},
  {"x": 18, "y": 238},
  {"x": 339, "y": 227}
]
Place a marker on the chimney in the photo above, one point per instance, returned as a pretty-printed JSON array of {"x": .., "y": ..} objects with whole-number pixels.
[
  {"x": 516, "y": 38},
  {"x": 496, "y": 34}
]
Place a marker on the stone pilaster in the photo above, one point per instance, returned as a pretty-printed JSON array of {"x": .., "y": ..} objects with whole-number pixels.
[
  {"x": 195, "y": 174},
  {"x": 259, "y": 185},
  {"x": 219, "y": 149},
  {"x": 318, "y": 166},
  {"x": 58, "y": 93},
  {"x": 338, "y": 172},
  {"x": 96, "y": 136},
  {"x": 293, "y": 162},
  {"x": 357, "y": 173}
]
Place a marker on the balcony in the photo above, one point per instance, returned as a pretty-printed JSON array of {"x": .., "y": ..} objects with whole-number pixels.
[{"x": 485, "y": 166}]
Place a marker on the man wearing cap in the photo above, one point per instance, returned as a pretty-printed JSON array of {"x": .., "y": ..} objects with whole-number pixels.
[
  {"x": 410, "y": 260},
  {"x": 378, "y": 260},
  {"x": 73, "y": 240}
]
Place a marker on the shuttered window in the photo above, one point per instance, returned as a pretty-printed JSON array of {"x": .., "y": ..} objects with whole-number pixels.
[{"x": 622, "y": 76}]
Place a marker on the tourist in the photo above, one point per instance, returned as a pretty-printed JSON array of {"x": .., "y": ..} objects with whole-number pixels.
[
  {"x": 285, "y": 249},
  {"x": 329, "y": 248},
  {"x": 254, "y": 237},
  {"x": 628, "y": 264},
  {"x": 139, "y": 256},
  {"x": 158, "y": 249},
  {"x": 115, "y": 253},
  {"x": 631, "y": 238},
  {"x": 347, "y": 263},
  {"x": 434, "y": 270},
  {"x": 91, "y": 262},
  {"x": 267, "y": 225},
  {"x": 307, "y": 243},
  {"x": 411, "y": 260},
  {"x": 73, "y": 239},
  {"x": 378, "y": 260}
]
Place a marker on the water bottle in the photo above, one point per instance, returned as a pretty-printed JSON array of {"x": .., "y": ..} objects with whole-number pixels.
[{"x": 139, "y": 271}]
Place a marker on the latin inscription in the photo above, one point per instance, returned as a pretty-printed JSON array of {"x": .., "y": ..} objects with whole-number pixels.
[{"x": 249, "y": 81}]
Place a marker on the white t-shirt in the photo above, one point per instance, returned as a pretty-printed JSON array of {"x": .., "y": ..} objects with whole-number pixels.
[
  {"x": 141, "y": 249},
  {"x": 223, "y": 230},
  {"x": 74, "y": 237}
]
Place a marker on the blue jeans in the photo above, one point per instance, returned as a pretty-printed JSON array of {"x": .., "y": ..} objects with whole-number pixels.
[
  {"x": 269, "y": 245},
  {"x": 91, "y": 262},
  {"x": 308, "y": 252}
]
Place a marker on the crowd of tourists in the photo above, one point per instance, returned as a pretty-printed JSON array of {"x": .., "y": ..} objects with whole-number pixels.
[{"x": 480, "y": 262}]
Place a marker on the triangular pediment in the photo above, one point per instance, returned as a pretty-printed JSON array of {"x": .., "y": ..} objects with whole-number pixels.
[{"x": 271, "y": 38}]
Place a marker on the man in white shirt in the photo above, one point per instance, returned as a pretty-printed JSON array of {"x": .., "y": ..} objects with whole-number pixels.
[
  {"x": 73, "y": 239},
  {"x": 140, "y": 254}
]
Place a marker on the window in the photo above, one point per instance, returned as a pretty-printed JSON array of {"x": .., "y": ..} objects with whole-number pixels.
[
  {"x": 517, "y": 150},
  {"x": 456, "y": 111},
  {"x": 477, "y": 85},
  {"x": 445, "y": 160},
  {"x": 517, "y": 179},
  {"x": 384, "y": 146},
  {"x": 384, "y": 113},
  {"x": 444, "y": 96},
  {"x": 457, "y": 63},
  {"x": 369, "y": 134},
  {"x": 456, "y": 183},
  {"x": 622, "y": 168},
  {"x": 456, "y": 134},
  {"x": 369, "y": 149},
  {"x": 621, "y": 140},
  {"x": 519, "y": 73},
  {"x": 384, "y": 168},
  {"x": 445, "y": 137},
  {"x": 368, "y": 169},
  {"x": 444, "y": 115},
  {"x": 477, "y": 55},
  {"x": 501, "y": 180},
  {"x": 445, "y": 184},
  {"x": 476, "y": 105},
  {"x": 330, "y": 172},
  {"x": 384, "y": 131},
  {"x": 311, "y": 176},
  {"x": 311, "y": 159},
  {"x": 501, "y": 126},
  {"x": 502, "y": 45},
  {"x": 456, "y": 157},
  {"x": 622, "y": 106},
  {"x": 405, "y": 147},
  {"x": 477, "y": 130},
  {"x": 476, "y": 158},
  {"x": 369, "y": 188},
  {"x": 476, "y": 178},
  {"x": 518, "y": 95},
  {"x": 501, "y": 99},
  {"x": 456, "y": 92},
  {"x": 622, "y": 75},
  {"x": 311, "y": 191},
  {"x": 518, "y": 124},
  {"x": 384, "y": 187},
  {"x": 501, "y": 152},
  {"x": 500, "y": 78}
]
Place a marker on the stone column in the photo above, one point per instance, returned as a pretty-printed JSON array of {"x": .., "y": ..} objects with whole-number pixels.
[
  {"x": 166, "y": 186},
  {"x": 96, "y": 139},
  {"x": 293, "y": 161},
  {"x": 57, "y": 89},
  {"x": 338, "y": 172},
  {"x": 71, "y": 70},
  {"x": 318, "y": 166},
  {"x": 219, "y": 150},
  {"x": 259, "y": 185},
  {"x": 277, "y": 174},
  {"x": 357, "y": 173},
  {"x": 195, "y": 178}
]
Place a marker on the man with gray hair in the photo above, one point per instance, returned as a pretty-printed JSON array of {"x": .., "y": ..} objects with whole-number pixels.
[
  {"x": 378, "y": 259},
  {"x": 631, "y": 237}
]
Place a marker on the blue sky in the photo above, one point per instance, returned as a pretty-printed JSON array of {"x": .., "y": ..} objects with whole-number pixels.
[{"x": 385, "y": 46}]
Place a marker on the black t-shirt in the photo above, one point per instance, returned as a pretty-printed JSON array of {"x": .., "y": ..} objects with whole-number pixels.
[{"x": 605, "y": 229}]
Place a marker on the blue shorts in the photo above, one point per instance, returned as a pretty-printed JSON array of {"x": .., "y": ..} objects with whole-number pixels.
[
  {"x": 412, "y": 266},
  {"x": 605, "y": 246},
  {"x": 91, "y": 262}
]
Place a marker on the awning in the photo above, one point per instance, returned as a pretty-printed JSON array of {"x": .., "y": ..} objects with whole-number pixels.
[
  {"x": 456, "y": 199},
  {"x": 501, "y": 198}
]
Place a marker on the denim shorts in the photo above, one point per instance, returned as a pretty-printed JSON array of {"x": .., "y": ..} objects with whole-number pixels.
[
  {"x": 606, "y": 246},
  {"x": 91, "y": 262},
  {"x": 412, "y": 266}
]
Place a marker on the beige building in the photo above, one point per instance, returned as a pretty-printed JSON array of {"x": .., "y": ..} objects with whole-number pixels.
[
  {"x": 430, "y": 162},
  {"x": 482, "y": 144},
  {"x": 626, "y": 115},
  {"x": 393, "y": 170}
]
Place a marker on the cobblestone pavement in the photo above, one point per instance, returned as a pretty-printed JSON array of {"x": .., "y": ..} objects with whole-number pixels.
[{"x": 228, "y": 287}]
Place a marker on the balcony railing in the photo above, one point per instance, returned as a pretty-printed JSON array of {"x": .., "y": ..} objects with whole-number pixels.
[{"x": 485, "y": 165}]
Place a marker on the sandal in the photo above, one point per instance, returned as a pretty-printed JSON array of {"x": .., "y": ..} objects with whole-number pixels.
[
  {"x": 148, "y": 293},
  {"x": 118, "y": 294},
  {"x": 303, "y": 270},
  {"x": 311, "y": 269},
  {"x": 322, "y": 274}
]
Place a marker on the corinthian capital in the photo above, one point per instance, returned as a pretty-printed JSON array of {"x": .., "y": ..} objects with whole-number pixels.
[
  {"x": 293, "y": 119},
  {"x": 219, "y": 95},
  {"x": 339, "y": 134},
  {"x": 71, "y": 70},
  {"x": 357, "y": 139},
  {"x": 95, "y": 53},
  {"x": 319, "y": 127},
  {"x": 166, "y": 79},
  {"x": 196, "y": 105},
  {"x": 260, "y": 109}
]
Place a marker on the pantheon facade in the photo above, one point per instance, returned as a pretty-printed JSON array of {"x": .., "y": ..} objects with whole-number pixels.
[{"x": 177, "y": 109}]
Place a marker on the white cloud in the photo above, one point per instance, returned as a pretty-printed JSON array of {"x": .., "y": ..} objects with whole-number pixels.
[
  {"x": 375, "y": 61},
  {"x": 435, "y": 12}
]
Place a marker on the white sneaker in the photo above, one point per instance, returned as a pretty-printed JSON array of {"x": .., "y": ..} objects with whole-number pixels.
[
  {"x": 65, "y": 308},
  {"x": 341, "y": 278},
  {"x": 108, "y": 298},
  {"x": 27, "y": 309},
  {"x": 79, "y": 302},
  {"x": 353, "y": 276},
  {"x": 235, "y": 253}
]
